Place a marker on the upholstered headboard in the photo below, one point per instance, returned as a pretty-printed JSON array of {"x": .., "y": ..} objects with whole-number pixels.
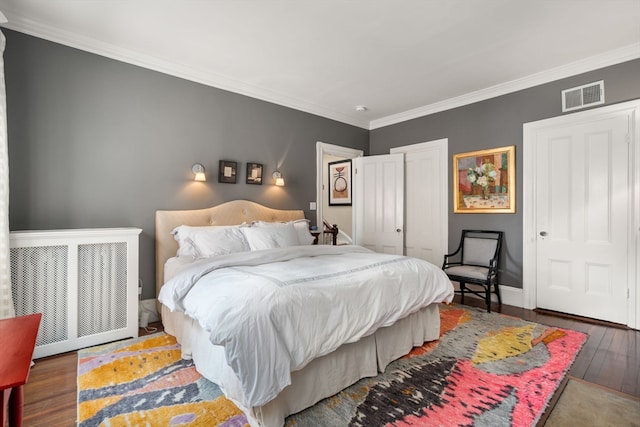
[{"x": 230, "y": 213}]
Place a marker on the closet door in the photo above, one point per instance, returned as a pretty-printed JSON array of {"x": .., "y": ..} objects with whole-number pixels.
[
  {"x": 580, "y": 225},
  {"x": 582, "y": 210},
  {"x": 426, "y": 230}
]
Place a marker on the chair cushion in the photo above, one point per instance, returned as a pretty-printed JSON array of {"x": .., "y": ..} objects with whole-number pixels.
[
  {"x": 470, "y": 271},
  {"x": 479, "y": 251}
]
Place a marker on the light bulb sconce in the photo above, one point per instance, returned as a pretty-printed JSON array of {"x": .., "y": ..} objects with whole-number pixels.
[
  {"x": 278, "y": 178},
  {"x": 198, "y": 172}
]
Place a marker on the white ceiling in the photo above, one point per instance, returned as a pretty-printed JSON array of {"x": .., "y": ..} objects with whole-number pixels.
[{"x": 400, "y": 59}]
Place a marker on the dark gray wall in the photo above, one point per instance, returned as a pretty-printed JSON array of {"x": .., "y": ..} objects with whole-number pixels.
[
  {"x": 498, "y": 122},
  {"x": 95, "y": 142}
]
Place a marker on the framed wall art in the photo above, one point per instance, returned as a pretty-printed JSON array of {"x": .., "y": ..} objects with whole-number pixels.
[
  {"x": 227, "y": 171},
  {"x": 485, "y": 181},
  {"x": 254, "y": 173},
  {"x": 340, "y": 183}
]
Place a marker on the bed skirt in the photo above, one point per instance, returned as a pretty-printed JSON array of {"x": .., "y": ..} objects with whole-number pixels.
[{"x": 321, "y": 378}]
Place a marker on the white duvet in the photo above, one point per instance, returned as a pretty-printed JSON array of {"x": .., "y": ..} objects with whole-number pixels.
[{"x": 276, "y": 310}]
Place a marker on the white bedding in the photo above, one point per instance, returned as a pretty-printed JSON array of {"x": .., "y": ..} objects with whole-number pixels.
[
  {"x": 298, "y": 303},
  {"x": 322, "y": 378}
]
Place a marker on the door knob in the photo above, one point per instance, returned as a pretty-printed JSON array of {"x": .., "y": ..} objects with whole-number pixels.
[
  {"x": 543, "y": 233},
  {"x": 398, "y": 229}
]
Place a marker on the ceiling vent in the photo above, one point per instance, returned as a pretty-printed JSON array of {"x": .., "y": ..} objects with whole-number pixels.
[{"x": 583, "y": 96}]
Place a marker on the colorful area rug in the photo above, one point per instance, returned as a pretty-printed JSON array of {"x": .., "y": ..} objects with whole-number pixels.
[{"x": 487, "y": 369}]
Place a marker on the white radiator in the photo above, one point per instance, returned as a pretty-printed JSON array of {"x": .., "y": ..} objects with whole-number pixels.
[{"x": 84, "y": 282}]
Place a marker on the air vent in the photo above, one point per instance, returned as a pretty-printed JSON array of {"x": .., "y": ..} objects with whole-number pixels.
[{"x": 583, "y": 96}]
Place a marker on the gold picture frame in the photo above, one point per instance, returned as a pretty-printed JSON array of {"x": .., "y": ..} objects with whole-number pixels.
[{"x": 484, "y": 181}]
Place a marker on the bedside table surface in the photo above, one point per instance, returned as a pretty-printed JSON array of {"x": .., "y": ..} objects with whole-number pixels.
[{"x": 17, "y": 341}]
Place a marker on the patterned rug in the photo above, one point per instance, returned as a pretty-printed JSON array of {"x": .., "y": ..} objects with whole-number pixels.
[{"x": 487, "y": 369}]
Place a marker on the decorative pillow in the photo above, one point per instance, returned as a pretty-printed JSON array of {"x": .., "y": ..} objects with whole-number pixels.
[
  {"x": 209, "y": 241},
  {"x": 301, "y": 226},
  {"x": 273, "y": 235}
]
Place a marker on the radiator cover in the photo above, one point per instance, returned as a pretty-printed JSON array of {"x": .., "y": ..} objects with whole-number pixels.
[{"x": 84, "y": 282}]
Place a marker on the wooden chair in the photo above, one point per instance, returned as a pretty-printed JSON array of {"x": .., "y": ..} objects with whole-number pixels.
[
  {"x": 476, "y": 263},
  {"x": 331, "y": 230}
]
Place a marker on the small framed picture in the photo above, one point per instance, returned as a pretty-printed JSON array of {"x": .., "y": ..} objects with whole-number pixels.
[
  {"x": 340, "y": 183},
  {"x": 254, "y": 173},
  {"x": 227, "y": 172}
]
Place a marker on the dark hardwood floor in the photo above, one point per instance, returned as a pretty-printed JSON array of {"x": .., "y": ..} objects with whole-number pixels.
[{"x": 609, "y": 358}]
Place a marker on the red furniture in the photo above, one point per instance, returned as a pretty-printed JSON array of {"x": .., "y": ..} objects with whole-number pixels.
[{"x": 17, "y": 341}]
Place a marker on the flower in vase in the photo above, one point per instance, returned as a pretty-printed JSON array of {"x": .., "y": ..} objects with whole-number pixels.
[{"x": 483, "y": 175}]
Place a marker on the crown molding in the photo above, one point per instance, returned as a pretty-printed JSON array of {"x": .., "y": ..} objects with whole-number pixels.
[
  {"x": 27, "y": 26},
  {"x": 46, "y": 32},
  {"x": 606, "y": 59}
]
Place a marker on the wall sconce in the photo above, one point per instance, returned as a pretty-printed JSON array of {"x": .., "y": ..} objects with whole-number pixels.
[
  {"x": 277, "y": 176},
  {"x": 198, "y": 172}
]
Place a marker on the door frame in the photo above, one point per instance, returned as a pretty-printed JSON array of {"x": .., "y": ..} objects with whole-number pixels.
[
  {"x": 529, "y": 236},
  {"x": 323, "y": 148}
]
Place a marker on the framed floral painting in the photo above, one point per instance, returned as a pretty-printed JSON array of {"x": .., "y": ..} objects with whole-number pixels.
[{"x": 485, "y": 181}]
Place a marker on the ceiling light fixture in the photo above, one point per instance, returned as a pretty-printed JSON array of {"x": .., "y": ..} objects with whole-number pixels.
[{"x": 361, "y": 108}]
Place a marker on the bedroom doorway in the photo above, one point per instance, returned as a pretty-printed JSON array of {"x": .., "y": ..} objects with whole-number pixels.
[
  {"x": 581, "y": 218},
  {"x": 340, "y": 215},
  {"x": 425, "y": 223}
]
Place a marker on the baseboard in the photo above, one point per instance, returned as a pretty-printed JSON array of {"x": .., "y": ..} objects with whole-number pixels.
[{"x": 510, "y": 295}]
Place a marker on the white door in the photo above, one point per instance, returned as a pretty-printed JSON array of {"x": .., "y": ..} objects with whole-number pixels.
[
  {"x": 426, "y": 222},
  {"x": 378, "y": 204},
  {"x": 582, "y": 204}
]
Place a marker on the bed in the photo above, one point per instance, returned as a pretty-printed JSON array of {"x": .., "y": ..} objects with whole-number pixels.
[{"x": 291, "y": 371}]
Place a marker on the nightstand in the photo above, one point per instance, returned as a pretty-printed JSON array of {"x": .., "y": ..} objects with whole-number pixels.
[{"x": 17, "y": 341}]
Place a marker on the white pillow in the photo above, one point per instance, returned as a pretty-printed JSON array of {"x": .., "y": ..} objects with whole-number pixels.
[
  {"x": 302, "y": 229},
  {"x": 208, "y": 241},
  {"x": 301, "y": 226},
  {"x": 275, "y": 235},
  {"x": 220, "y": 242}
]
